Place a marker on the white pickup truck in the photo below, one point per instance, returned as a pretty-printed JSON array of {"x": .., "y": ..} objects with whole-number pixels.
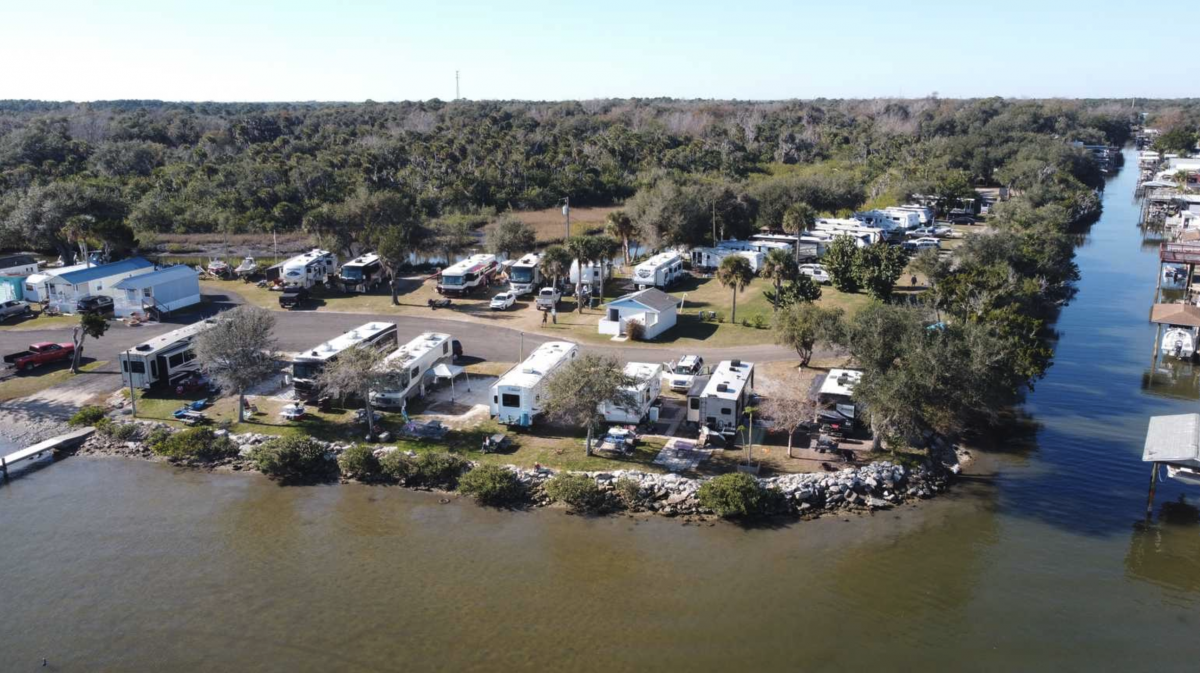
[{"x": 547, "y": 298}]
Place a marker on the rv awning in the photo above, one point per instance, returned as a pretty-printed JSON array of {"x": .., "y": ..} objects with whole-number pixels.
[
  {"x": 1173, "y": 439},
  {"x": 445, "y": 371},
  {"x": 1175, "y": 314}
]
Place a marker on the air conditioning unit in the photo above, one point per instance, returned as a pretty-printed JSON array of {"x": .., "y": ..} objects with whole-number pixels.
[{"x": 735, "y": 364}]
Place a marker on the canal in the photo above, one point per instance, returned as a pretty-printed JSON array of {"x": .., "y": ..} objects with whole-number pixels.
[{"x": 1035, "y": 562}]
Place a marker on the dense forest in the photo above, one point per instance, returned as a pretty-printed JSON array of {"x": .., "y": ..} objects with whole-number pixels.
[{"x": 116, "y": 170}]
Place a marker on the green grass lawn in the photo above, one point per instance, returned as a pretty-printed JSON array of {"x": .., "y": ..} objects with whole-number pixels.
[
  {"x": 38, "y": 322},
  {"x": 37, "y": 380}
]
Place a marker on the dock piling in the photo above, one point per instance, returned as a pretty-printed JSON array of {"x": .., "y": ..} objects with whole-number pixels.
[{"x": 1150, "y": 496}]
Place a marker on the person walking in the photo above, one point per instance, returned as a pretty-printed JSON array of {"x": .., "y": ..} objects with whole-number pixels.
[{"x": 545, "y": 314}]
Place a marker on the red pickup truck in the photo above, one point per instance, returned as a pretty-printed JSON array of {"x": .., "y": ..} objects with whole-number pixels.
[{"x": 39, "y": 354}]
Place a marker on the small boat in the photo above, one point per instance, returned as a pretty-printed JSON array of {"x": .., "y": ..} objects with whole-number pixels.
[
  {"x": 218, "y": 267},
  {"x": 1184, "y": 473},
  {"x": 1179, "y": 341},
  {"x": 247, "y": 267}
]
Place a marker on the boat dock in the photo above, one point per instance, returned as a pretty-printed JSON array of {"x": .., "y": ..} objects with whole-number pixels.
[{"x": 69, "y": 440}]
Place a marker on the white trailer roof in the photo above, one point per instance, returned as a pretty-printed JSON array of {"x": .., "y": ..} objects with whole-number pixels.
[
  {"x": 531, "y": 259},
  {"x": 840, "y": 382},
  {"x": 469, "y": 264},
  {"x": 659, "y": 261},
  {"x": 417, "y": 348},
  {"x": 363, "y": 260},
  {"x": 172, "y": 339},
  {"x": 341, "y": 342},
  {"x": 727, "y": 381},
  {"x": 306, "y": 259},
  {"x": 643, "y": 372},
  {"x": 543, "y": 360}
]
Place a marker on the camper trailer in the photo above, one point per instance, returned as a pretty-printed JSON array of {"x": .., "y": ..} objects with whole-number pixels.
[
  {"x": 810, "y": 247},
  {"x": 525, "y": 275},
  {"x": 417, "y": 358},
  {"x": 891, "y": 225},
  {"x": 837, "y": 391},
  {"x": 308, "y": 365},
  {"x": 161, "y": 359},
  {"x": 361, "y": 274},
  {"x": 720, "y": 403},
  {"x": 468, "y": 275},
  {"x": 645, "y": 390},
  {"x": 863, "y": 234},
  {"x": 592, "y": 273},
  {"x": 661, "y": 270},
  {"x": 711, "y": 258},
  {"x": 517, "y": 397},
  {"x": 315, "y": 267},
  {"x": 925, "y": 214}
]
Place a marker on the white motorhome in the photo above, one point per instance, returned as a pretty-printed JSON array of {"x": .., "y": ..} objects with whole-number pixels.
[
  {"x": 525, "y": 274},
  {"x": 645, "y": 390},
  {"x": 661, "y": 270},
  {"x": 157, "y": 361},
  {"x": 361, "y": 274},
  {"x": 517, "y": 398},
  {"x": 417, "y": 358},
  {"x": 711, "y": 258},
  {"x": 308, "y": 365},
  {"x": 719, "y": 405},
  {"x": 892, "y": 225},
  {"x": 593, "y": 272},
  {"x": 315, "y": 267},
  {"x": 925, "y": 214},
  {"x": 863, "y": 234},
  {"x": 468, "y": 275}
]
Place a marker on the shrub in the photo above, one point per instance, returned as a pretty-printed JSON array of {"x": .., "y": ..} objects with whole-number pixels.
[
  {"x": 492, "y": 485},
  {"x": 176, "y": 248},
  {"x": 157, "y": 437},
  {"x": 745, "y": 322},
  {"x": 760, "y": 321},
  {"x": 123, "y": 432},
  {"x": 88, "y": 415},
  {"x": 577, "y": 491},
  {"x": 294, "y": 458},
  {"x": 720, "y": 316},
  {"x": 397, "y": 465},
  {"x": 195, "y": 444},
  {"x": 359, "y": 462},
  {"x": 635, "y": 330},
  {"x": 437, "y": 470},
  {"x": 630, "y": 492},
  {"x": 736, "y": 495}
]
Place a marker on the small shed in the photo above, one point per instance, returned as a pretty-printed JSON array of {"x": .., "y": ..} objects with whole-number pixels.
[
  {"x": 163, "y": 291},
  {"x": 12, "y": 287},
  {"x": 67, "y": 289},
  {"x": 17, "y": 265},
  {"x": 655, "y": 309}
]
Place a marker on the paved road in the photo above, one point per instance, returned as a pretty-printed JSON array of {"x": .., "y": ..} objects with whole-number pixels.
[{"x": 298, "y": 330}]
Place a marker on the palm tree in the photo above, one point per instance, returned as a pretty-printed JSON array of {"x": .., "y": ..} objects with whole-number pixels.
[
  {"x": 587, "y": 249},
  {"x": 735, "y": 272},
  {"x": 797, "y": 219},
  {"x": 556, "y": 261},
  {"x": 778, "y": 266},
  {"x": 620, "y": 226}
]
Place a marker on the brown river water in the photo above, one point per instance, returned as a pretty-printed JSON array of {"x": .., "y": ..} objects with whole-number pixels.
[{"x": 1037, "y": 561}]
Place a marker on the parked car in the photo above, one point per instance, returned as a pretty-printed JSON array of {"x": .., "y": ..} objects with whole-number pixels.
[
  {"x": 920, "y": 244},
  {"x": 816, "y": 272},
  {"x": 684, "y": 371},
  {"x": 547, "y": 298},
  {"x": 932, "y": 231},
  {"x": 96, "y": 304},
  {"x": 293, "y": 297},
  {"x": 962, "y": 218},
  {"x": 39, "y": 354},
  {"x": 503, "y": 301},
  {"x": 190, "y": 382},
  {"x": 14, "y": 308}
]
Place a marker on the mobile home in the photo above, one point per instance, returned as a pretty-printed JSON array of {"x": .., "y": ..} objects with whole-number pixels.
[
  {"x": 645, "y": 391},
  {"x": 17, "y": 265},
  {"x": 517, "y": 398},
  {"x": 155, "y": 362},
  {"x": 315, "y": 267},
  {"x": 465, "y": 277},
  {"x": 417, "y": 358},
  {"x": 720, "y": 403},
  {"x": 37, "y": 286},
  {"x": 308, "y": 365},
  {"x": 661, "y": 270},
  {"x": 361, "y": 274},
  {"x": 67, "y": 289},
  {"x": 163, "y": 291},
  {"x": 525, "y": 275}
]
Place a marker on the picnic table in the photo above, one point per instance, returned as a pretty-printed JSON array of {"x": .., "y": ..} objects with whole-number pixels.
[
  {"x": 496, "y": 443},
  {"x": 189, "y": 416},
  {"x": 618, "y": 440}
]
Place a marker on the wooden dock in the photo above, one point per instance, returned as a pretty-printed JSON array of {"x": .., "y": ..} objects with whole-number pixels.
[{"x": 69, "y": 440}]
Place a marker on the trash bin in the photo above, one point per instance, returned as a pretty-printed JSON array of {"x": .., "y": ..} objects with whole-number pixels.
[{"x": 653, "y": 414}]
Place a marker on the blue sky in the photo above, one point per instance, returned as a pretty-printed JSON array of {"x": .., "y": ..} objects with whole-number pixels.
[{"x": 540, "y": 49}]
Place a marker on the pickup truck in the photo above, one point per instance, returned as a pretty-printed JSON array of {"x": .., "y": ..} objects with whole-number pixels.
[
  {"x": 547, "y": 298},
  {"x": 39, "y": 354}
]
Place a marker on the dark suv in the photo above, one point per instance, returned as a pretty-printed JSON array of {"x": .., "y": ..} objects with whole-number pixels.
[{"x": 97, "y": 304}]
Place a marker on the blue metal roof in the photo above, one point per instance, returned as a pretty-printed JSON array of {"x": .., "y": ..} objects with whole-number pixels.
[
  {"x": 105, "y": 270},
  {"x": 155, "y": 277}
]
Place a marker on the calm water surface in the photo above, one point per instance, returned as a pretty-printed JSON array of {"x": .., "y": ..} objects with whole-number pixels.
[{"x": 1035, "y": 564}]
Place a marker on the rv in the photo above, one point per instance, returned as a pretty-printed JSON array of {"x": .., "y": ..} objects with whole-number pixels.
[
  {"x": 525, "y": 275},
  {"x": 517, "y": 396},
  {"x": 361, "y": 274},
  {"x": 711, "y": 258},
  {"x": 159, "y": 360},
  {"x": 592, "y": 273},
  {"x": 315, "y": 267},
  {"x": 810, "y": 247},
  {"x": 863, "y": 234},
  {"x": 417, "y": 358},
  {"x": 465, "y": 277},
  {"x": 892, "y": 225},
  {"x": 661, "y": 270},
  {"x": 720, "y": 403},
  {"x": 925, "y": 214},
  {"x": 308, "y": 365},
  {"x": 645, "y": 390},
  {"x": 837, "y": 390}
]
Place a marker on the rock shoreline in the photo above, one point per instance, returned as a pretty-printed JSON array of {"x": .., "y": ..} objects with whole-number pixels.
[{"x": 875, "y": 486}]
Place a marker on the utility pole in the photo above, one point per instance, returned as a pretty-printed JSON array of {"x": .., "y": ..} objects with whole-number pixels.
[
  {"x": 456, "y": 96},
  {"x": 132, "y": 398},
  {"x": 567, "y": 214},
  {"x": 714, "y": 218}
]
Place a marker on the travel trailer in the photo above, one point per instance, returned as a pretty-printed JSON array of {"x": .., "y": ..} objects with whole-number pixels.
[
  {"x": 417, "y": 358},
  {"x": 308, "y": 365},
  {"x": 468, "y": 275},
  {"x": 517, "y": 397},
  {"x": 661, "y": 270},
  {"x": 810, "y": 247},
  {"x": 645, "y": 390},
  {"x": 711, "y": 258},
  {"x": 719, "y": 405},
  {"x": 863, "y": 234},
  {"x": 892, "y": 225},
  {"x": 925, "y": 214},
  {"x": 361, "y": 274},
  {"x": 525, "y": 276},
  {"x": 592, "y": 273},
  {"x": 837, "y": 390},
  {"x": 315, "y": 267},
  {"x": 159, "y": 360}
]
